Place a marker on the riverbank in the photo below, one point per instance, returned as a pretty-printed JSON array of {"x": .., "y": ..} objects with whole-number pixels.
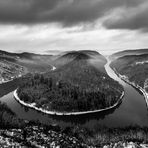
[
  {"x": 10, "y": 80},
  {"x": 32, "y": 105},
  {"x": 53, "y": 68},
  {"x": 2, "y": 82},
  {"x": 125, "y": 79}
]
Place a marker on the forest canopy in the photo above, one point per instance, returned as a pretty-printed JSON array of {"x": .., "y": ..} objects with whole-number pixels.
[{"x": 76, "y": 86}]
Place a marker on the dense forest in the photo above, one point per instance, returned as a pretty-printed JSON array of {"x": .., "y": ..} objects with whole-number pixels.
[{"x": 76, "y": 86}]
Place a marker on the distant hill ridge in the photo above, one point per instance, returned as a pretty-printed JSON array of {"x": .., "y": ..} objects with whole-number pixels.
[
  {"x": 77, "y": 55},
  {"x": 70, "y": 56},
  {"x": 129, "y": 52},
  {"x": 41, "y": 62},
  {"x": 31, "y": 61},
  {"x": 27, "y": 55}
]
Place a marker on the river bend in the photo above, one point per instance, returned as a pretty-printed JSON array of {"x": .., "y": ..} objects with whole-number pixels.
[{"x": 132, "y": 110}]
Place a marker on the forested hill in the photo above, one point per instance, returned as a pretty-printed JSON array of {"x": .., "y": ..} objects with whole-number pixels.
[
  {"x": 134, "y": 67},
  {"x": 92, "y": 57},
  {"x": 30, "y": 61},
  {"x": 76, "y": 85},
  {"x": 79, "y": 70}
]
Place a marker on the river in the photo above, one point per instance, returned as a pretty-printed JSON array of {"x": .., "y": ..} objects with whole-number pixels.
[{"x": 132, "y": 110}]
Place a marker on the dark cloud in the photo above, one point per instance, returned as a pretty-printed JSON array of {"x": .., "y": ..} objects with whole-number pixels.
[
  {"x": 66, "y": 12},
  {"x": 24, "y": 11},
  {"x": 136, "y": 19}
]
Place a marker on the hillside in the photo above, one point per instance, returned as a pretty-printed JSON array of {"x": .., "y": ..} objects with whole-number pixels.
[
  {"x": 29, "y": 61},
  {"x": 134, "y": 67},
  {"x": 17, "y": 64},
  {"x": 94, "y": 58},
  {"x": 10, "y": 70},
  {"x": 74, "y": 86},
  {"x": 128, "y": 52}
]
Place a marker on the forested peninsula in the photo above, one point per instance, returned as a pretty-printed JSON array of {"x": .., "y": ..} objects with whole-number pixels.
[{"x": 76, "y": 86}]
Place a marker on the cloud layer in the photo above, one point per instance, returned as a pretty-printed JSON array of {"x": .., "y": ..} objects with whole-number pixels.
[
  {"x": 75, "y": 12},
  {"x": 43, "y": 25},
  {"x": 135, "y": 18}
]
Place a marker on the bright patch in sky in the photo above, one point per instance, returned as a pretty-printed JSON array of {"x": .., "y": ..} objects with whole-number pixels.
[{"x": 43, "y": 38}]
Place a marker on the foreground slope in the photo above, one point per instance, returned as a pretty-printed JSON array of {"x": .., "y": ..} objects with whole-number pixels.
[{"x": 74, "y": 86}]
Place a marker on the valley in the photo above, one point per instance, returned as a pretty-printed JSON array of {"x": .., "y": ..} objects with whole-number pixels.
[
  {"x": 73, "y": 72},
  {"x": 76, "y": 87}
]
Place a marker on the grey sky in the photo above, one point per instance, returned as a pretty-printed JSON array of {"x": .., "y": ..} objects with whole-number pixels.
[{"x": 34, "y": 24}]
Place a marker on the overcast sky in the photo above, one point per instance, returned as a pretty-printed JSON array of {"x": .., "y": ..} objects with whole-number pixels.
[{"x": 59, "y": 25}]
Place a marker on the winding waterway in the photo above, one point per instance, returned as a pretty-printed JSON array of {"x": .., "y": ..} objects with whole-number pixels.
[{"x": 132, "y": 110}]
